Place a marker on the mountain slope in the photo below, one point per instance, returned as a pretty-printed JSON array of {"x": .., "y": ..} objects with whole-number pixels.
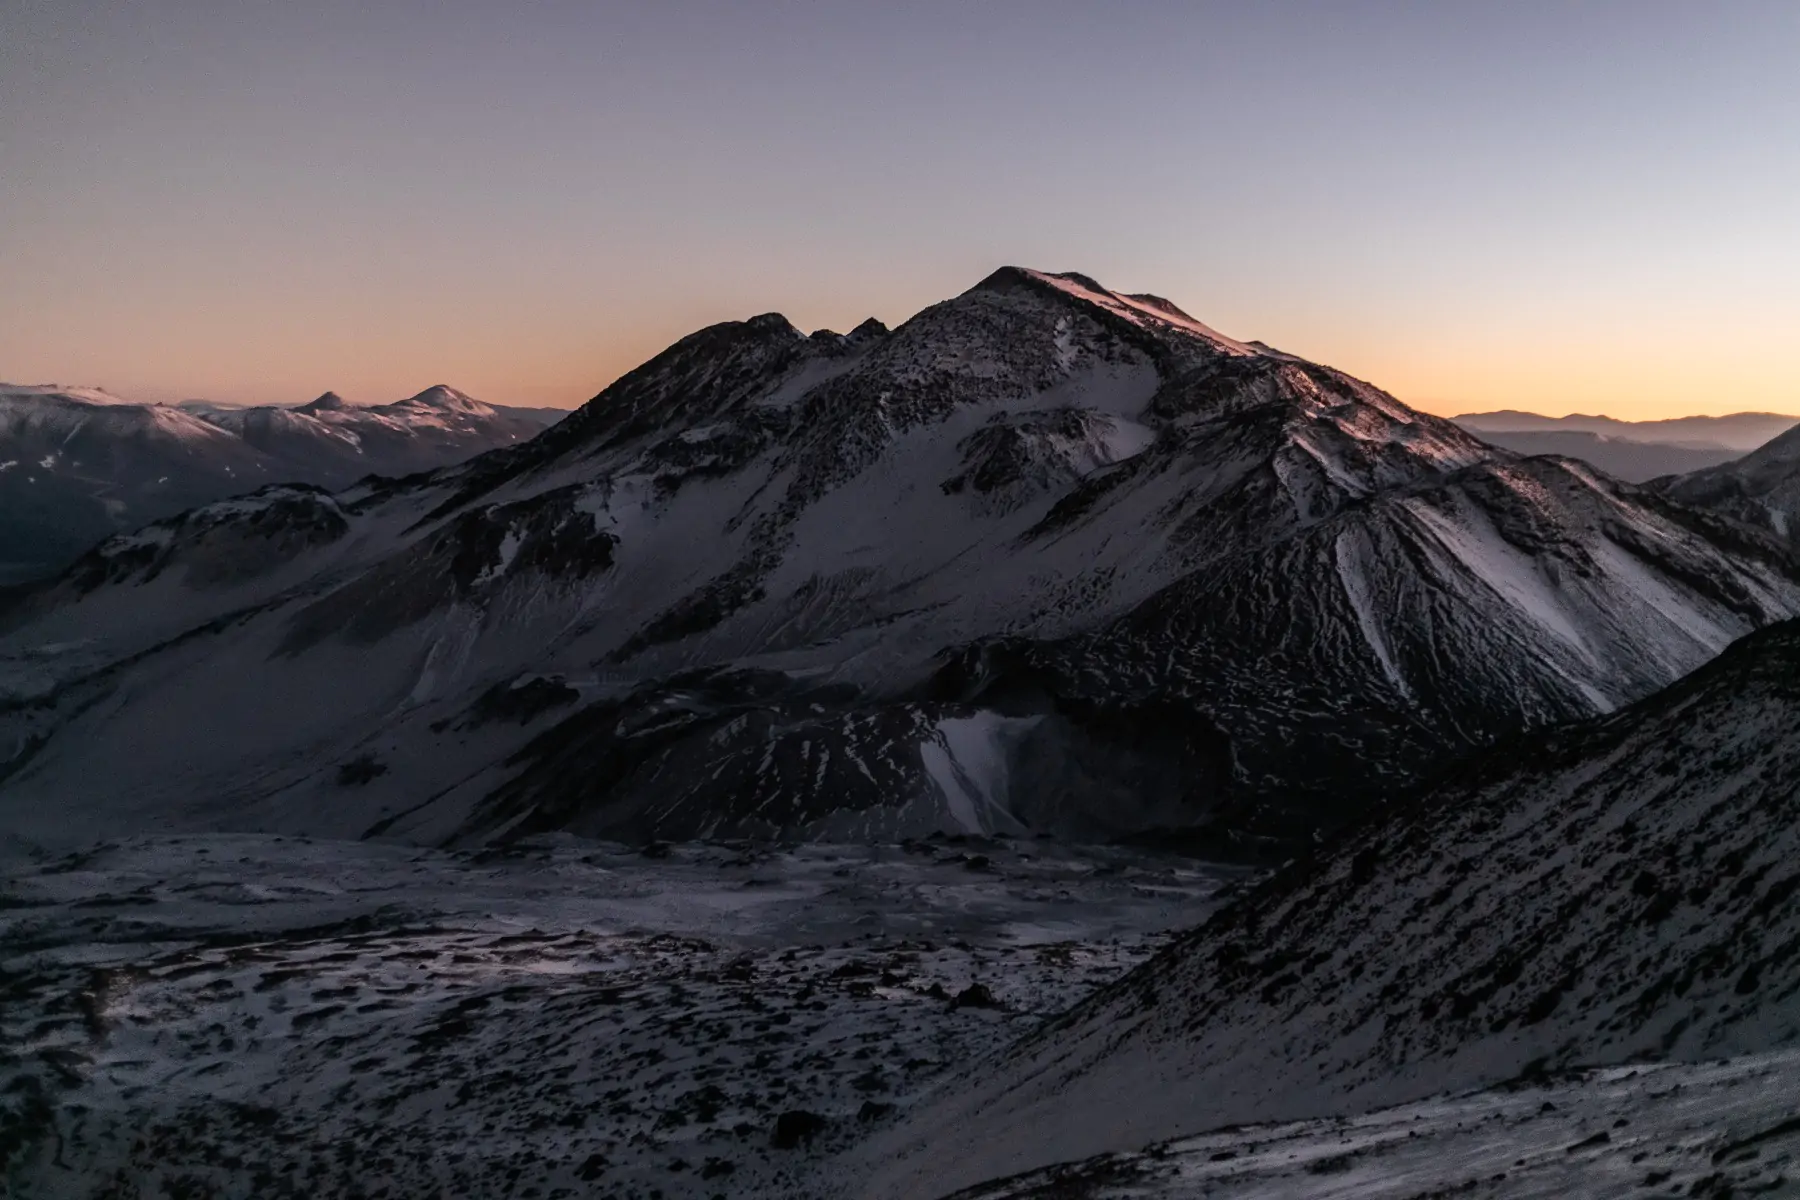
[
  {"x": 1611, "y": 892},
  {"x": 1762, "y": 488},
  {"x": 1045, "y": 557},
  {"x": 79, "y": 464}
]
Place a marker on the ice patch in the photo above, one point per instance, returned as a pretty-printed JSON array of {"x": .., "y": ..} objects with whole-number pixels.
[
  {"x": 1125, "y": 439},
  {"x": 967, "y": 761}
]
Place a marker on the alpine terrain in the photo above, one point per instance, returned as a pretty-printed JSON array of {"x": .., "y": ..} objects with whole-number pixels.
[
  {"x": 1606, "y": 895},
  {"x": 80, "y": 464},
  {"x": 1632, "y": 450},
  {"x": 1046, "y": 557},
  {"x": 1762, "y": 488}
]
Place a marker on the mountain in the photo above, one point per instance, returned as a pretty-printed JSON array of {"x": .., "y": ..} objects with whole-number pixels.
[
  {"x": 85, "y": 395},
  {"x": 1047, "y": 557},
  {"x": 333, "y": 443},
  {"x": 1622, "y": 891},
  {"x": 1761, "y": 488},
  {"x": 1637, "y": 451},
  {"x": 1741, "y": 432},
  {"x": 79, "y": 464},
  {"x": 1623, "y": 458}
]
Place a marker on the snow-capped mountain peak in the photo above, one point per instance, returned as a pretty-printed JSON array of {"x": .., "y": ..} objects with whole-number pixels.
[
  {"x": 444, "y": 398},
  {"x": 1140, "y": 309}
]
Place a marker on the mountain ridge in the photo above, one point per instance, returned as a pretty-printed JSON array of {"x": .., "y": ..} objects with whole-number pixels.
[
  {"x": 1636, "y": 451},
  {"x": 1615, "y": 891},
  {"x": 1762, "y": 488}
]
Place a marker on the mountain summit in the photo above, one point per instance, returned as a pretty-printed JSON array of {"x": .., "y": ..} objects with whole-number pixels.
[
  {"x": 329, "y": 402},
  {"x": 441, "y": 396},
  {"x": 1045, "y": 557}
]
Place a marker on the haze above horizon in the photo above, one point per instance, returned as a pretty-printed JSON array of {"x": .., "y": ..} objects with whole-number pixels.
[{"x": 1549, "y": 207}]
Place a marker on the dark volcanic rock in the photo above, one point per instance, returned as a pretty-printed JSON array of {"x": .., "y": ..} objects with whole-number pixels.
[
  {"x": 976, "y": 995},
  {"x": 796, "y": 1127}
]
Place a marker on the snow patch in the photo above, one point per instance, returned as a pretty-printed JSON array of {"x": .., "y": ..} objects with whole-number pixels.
[
  {"x": 510, "y": 542},
  {"x": 1350, "y": 549},
  {"x": 1513, "y": 576}
]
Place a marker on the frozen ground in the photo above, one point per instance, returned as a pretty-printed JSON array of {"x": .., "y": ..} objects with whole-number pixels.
[
  {"x": 257, "y": 1016},
  {"x": 248, "y": 1015}
]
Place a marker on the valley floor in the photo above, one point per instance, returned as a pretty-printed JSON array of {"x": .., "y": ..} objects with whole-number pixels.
[
  {"x": 243, "y": 1015},
  {"x": 240, "y": 1015}
]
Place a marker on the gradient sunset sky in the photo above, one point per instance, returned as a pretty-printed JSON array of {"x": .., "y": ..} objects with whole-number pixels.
[{"x": 1559, "y": 206}]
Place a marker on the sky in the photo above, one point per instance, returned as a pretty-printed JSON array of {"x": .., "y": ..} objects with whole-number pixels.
[{"x": 1561, "y": 207}]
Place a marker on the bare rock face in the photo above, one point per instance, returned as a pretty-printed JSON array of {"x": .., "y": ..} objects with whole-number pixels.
[{"x": 1045, "y": 557}]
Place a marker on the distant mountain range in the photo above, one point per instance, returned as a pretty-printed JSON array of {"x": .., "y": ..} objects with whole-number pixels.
[
  {"x": 79, "y": 464},
  {"x": 1047, "y": 557},
  {"x": 1635, "y": 451},
  {"x": 1742, "y": 432}
]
